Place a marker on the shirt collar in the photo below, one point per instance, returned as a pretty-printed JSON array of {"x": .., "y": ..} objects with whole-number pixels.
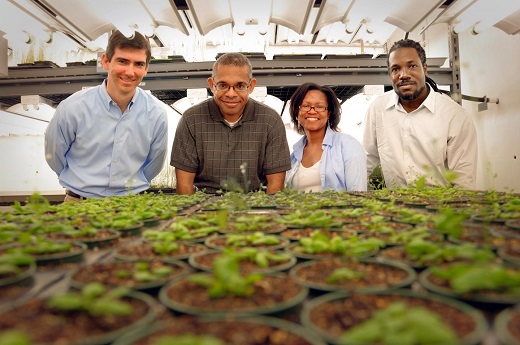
[
  {"x": 247, "y": 115},
  {"x": 428, "y": 103},
  {"x": 328, "y": 137},
  {"x": 107, "y": 100}
]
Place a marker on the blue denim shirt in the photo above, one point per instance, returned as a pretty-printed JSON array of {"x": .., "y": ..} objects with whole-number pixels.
[{"x": 343, "y": 162}]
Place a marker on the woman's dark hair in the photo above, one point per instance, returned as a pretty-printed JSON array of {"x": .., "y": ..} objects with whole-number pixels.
[
  {"x": 407, "y": 43},
  {"x": 138, "y": 41},
  {"x": 333, "y": 106}
]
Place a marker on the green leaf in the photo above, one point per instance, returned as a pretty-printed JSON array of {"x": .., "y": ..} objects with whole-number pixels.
[{"x": 14, "y": 337}]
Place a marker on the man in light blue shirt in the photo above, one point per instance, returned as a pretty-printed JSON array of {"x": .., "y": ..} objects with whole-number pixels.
[{"x": 110, "y": 139}]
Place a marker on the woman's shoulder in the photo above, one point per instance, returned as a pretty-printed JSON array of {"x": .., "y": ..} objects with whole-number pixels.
[{"x": 346, "y": 140}]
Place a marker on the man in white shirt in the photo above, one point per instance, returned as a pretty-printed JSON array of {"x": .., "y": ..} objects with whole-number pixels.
[{"x": 415, "y": 131}]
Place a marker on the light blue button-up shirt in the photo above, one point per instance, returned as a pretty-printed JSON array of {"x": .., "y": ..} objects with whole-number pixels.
[
  {"x": 98, "y": 151},
  {"x": 343, "y": 162}
]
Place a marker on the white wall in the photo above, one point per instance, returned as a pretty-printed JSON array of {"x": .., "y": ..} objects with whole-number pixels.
[
  {"x": 490, "y": 66},
  {"x": 24, "y": 168}
]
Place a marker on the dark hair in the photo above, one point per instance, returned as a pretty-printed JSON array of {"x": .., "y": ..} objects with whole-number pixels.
[
  {"x": 138, "y": 41},
  {"x": 333, "y": 104},
  {"x": 407, "y": 43},
  {"x": 232, "y": 59}
]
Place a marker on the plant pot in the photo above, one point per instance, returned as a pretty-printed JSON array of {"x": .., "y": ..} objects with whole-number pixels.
[
  {"x": 510, "y": 254},
  {"x": 507, "y": 326},
  {"x": 378, "y": 275},
  {"x": 330, "y": 315},
  {"x": 145, "y": 252},
  {"x": 251, "y": 330},
  {"x": 27, "y": 272},
  {"x": 275, "y": 293},
  {"x": 297, "y": 234},
  {"x": 104, "y": 238},
  {"x": 442, "y": 287},
  {"x": 107, "y": 274},
  {"x": 219, "y": 242},
  {"x": 73, "y": 255},
  {"x": 204, "y": 261},
  {"x": 131, "y": 230},
  {"x": 296, "y": 250},
  {"x": 75, "y": 327},
  {"x": 513, "y": 224}
]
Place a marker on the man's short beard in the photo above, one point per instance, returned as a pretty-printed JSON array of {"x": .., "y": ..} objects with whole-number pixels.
[{"x": 411, "y": 97}]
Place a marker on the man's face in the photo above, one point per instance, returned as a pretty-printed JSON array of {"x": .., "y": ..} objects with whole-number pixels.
[
  {"x": 233, "y": 100},
  {"x": 407, "y": 73},
  {"x": 125, "y": 71}
]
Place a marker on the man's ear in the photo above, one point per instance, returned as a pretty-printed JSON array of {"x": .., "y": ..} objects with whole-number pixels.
[
  {"x": 105, "y": 61},
  {"x": 252, "y": 85},
  {"x": 211, "y": 85}
]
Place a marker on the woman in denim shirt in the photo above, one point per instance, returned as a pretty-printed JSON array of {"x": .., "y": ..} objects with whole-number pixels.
[{"x": 323, "y": 158}]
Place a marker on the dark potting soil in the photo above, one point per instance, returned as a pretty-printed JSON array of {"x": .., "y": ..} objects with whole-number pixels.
[
  {"x": 231, "y": 332},
  {"x": 246, "y": 266},
  {"x": 335, "y": 317},
  {"x": 374, "y": 275},
  {"x": 145, "y": 251},
  {"x": 269, "y": 291},
  {"x": 64, "y": 328}
]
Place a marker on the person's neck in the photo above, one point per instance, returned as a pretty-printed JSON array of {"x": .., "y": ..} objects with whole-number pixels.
[
  {"x": 122, "y": 100},
  {"x": 410, "y": 106},
  {"x": 315, "y": 137}
]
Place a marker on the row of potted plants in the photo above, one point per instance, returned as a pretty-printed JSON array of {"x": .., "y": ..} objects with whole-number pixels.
[{"x": 363, "y": 257}]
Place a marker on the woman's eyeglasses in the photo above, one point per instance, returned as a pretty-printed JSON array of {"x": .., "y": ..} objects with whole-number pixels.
[{"x": 317, "y": 108}]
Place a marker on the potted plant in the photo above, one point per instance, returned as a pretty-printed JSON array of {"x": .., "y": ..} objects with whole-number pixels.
[{"x": 227, "y": 291}]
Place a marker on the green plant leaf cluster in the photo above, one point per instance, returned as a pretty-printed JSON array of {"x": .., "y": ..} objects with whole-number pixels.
[
  {"x": 260, "y": 257},
  {"x": 353, "y": 246},
  {"x": 164, "y": 248},
  {"x": 427, "y": 252},
  {"x": 42, "y": 246},
  {"x": 15, "y": 337},
  {"x": 144, "y": 273},
  {"x": 470, "y": 277},
  {"x": 226, "y": 278},
  {"x": 317, "y": 218},
  {"x": 95, "y": 299},
  {"x": 255, "y": 239},
  {"x": 399, "y": 324},
  {"x": 10, "y": 262},
  {"x": 344, "y": 274}
]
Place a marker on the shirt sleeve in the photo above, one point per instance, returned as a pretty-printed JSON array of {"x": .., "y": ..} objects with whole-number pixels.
[
  {"x": 277, "y": 154},
  {"x": 58, "y": 138},
  {"x": 184, "y": 150},
  {"x": 356, "y": 167},
  {"x": 462, "y": 151},
  {"x": 157, "y": 156},
  {"x": 370, "y": 140}
]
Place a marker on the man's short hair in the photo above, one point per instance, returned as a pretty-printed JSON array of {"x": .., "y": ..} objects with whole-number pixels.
[
  {"x": 137, "y": 41},
  {"x": 232, "y": 59}
]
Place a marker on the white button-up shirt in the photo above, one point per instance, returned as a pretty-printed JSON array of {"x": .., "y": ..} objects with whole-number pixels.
[{"x": 437, "y": 136}]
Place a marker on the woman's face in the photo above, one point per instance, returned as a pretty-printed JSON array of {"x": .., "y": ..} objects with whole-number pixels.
[{"x": 313, "y": 112}]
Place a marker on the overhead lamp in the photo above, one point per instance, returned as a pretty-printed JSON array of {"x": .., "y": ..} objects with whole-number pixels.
[
  {"x": 483, "y": 14},
  {"x": 19, "y": 36},
  {"x": 127, "y": 30},
  {"x": 147, "y": 29}
]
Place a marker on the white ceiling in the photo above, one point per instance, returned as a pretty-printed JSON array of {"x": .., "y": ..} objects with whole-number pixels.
[{"x": 247, "y": 25}]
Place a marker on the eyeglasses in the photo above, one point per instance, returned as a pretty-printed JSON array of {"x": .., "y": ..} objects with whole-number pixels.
[
  {"x": 240, "y": 87},
  {"x": 317, "y": 108}
]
